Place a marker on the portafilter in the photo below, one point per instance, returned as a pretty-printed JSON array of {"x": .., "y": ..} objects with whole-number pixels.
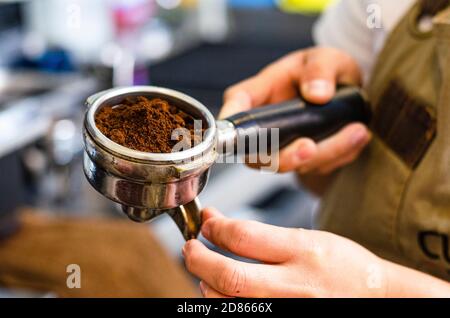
[{"x": 149, "y": 184}]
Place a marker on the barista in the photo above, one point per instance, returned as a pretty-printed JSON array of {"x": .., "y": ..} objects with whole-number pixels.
[{"x": 386, "y": 191}]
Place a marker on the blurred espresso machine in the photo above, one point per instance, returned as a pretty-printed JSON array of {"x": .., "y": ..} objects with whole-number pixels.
[
  {"x": 55, "y": 53},
  {"x": 41, "y": 97}
]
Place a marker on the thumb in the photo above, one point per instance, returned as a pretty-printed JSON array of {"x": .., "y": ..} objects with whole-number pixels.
[
  {"x": 209, "y": 213},
  {"x": 318, "y": 90},
  {"x": 323, "y": 69},
  {"x": 235, "y": 101}
]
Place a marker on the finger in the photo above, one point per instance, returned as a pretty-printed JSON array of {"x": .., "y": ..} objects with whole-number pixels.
[
  {"x": 323, "y": 69},
  {"x": 209, "y": 292},
  {"x": 238, "y": 99},
  {"x": 250, "y": 239},
  {"x": 228, "y": 276},
  {"x": 346, "y": 141},
  {"x": 319, "y": 90},
  {"x": 315, "y": 72},
  {"x": 209, "y": 213},
  {"x": 275, "y": 83},
  {"x": 354, "y": 138},
  {"x": 296, "y": 154},
  {"x": 335, "y": 164}
]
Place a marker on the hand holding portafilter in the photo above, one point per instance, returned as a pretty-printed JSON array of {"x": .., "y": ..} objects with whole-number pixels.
[
  {"x": 297, "y": 118},
  {"x": 148, "y": 184}
]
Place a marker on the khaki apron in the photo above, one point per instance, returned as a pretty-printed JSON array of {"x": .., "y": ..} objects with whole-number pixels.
[{"x": 395, "y": 199}]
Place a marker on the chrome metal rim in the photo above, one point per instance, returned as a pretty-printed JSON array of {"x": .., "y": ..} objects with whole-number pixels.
[{"x": 206, "y": 145}]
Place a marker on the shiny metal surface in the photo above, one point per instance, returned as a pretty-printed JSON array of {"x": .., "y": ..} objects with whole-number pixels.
[
  {"x": 155, "y": 195},
  {"x": 178, "y": 99},
  {"x": 188, "y": 218},
  {"x": 149, "y": 184},
  {"x": 226, "y": 137}
]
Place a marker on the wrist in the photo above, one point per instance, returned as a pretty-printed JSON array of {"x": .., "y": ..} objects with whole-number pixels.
[
  {"x": 390, "y": 272},
  {"x": 407, "y": 282},
  {"x": 379, "y": 278}
]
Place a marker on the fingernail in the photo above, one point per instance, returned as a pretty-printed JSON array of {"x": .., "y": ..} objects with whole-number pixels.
[
  {"x": 319, "y": 88},
  {"x": 203, "y": 288},
  {"x": 183, "y": 250},
  {"x": 206, "y": 229},
  {"x": 359, "y": 137}
]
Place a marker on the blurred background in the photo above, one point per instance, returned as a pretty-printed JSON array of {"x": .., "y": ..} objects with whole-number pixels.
[{"x": 55, "y": 53}]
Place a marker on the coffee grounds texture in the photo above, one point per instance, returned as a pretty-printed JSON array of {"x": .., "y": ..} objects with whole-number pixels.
[{"x": 144, "y": 124}]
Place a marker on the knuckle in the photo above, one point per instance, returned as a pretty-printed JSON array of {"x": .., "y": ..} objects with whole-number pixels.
[
  {"x": 294, "y": 243},
  {"x": 311, "y": 246},
  {"x": 190, "y": 257},
  {"x": 314, "y": 66},
  {"x": 239, "y": 234},
  {"x": 232, "y": 280},
  {"x": 219, "y": 231},
  {"x": 212, "y": 224}
]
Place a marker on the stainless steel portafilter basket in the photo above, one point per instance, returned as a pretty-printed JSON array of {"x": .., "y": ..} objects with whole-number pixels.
[{"x": 149, "y": 184}]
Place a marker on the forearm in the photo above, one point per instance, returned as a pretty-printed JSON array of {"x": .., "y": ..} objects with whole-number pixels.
[{"x": 407, "y": 282}]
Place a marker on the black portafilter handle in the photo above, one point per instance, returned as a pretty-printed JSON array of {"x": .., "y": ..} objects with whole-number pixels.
[{"x": 298, "y": 118}]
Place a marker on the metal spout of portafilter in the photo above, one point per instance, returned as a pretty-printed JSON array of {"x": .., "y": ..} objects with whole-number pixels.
[{"x": 187, "y": 217}]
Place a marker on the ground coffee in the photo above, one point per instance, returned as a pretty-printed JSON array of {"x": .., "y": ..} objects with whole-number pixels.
[{"x": 144, "y": 124}]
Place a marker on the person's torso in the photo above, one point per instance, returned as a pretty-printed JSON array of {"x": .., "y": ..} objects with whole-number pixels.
[{"x": 395, "y": 199}]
